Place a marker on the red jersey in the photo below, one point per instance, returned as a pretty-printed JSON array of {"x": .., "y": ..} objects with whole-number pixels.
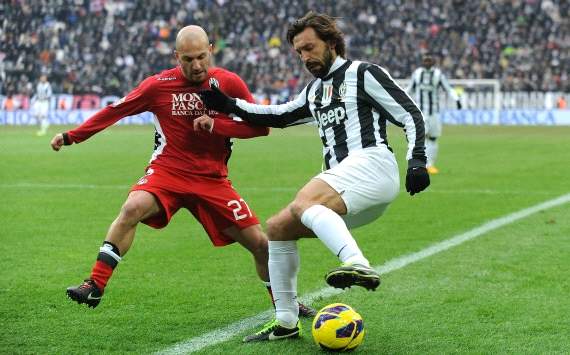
[{"x": 175, "y": 104}]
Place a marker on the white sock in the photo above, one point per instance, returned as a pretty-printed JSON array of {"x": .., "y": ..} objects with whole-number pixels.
[
  {"x": 44, "y": 125},
  {"x": 283, "y": 269},
  {"x": 431, "y": 151},
  {"x": 332, "y": 231}
]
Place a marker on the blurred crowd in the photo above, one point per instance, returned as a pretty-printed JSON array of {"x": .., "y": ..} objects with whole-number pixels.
[{"x": 106, "y": 47}]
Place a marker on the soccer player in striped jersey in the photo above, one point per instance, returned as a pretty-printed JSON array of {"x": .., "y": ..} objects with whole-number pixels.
[
  {"x": 40, "y": 106},
  {"x": 351, "y": 102},
  {"x": 188, "y": 168},
  {"x": 425, "y": 85}
]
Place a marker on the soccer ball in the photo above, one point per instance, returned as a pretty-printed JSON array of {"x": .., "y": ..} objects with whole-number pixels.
[{"x": 337, "y": 327}]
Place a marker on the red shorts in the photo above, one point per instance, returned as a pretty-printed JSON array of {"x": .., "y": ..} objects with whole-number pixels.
[{"x": 213, "y": 201}]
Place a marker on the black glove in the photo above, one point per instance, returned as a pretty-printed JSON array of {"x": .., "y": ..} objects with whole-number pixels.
[
  {"x": 459, "y": 106},
  {"x": 216, "y": 100},
  {"x": 417, "y": 178}
]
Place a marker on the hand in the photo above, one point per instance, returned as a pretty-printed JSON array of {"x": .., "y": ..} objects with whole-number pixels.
[
  {"x": 459, "y": 106},
  {"x": 417, "y": 179},
  {"x": 204, "y": 123},
  {"x": 215, "y": 99},
  {"x": 57, "y": 142}
]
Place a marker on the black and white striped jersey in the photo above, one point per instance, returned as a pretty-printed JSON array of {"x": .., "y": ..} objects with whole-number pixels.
[
  {"x": 43, "y": 92},
  {"x": 424, "y": 88},
  {"x": 351, "y": 106}
]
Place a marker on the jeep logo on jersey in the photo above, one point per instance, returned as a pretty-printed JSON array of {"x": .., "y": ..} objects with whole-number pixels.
[
  {"x": 330, "y": 117},
  {"x": 187, "y": 104}
]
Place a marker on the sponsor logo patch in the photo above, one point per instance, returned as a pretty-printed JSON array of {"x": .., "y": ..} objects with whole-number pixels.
[{"x": 331, "y": 116}]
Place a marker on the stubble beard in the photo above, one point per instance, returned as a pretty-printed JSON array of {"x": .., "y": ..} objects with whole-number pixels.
[{"x": 324, "y": 65}]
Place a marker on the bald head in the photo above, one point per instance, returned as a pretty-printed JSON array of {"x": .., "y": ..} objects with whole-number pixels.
[
  {"x": 193, "y": 52},
  {"x": 190, "y": 37}
]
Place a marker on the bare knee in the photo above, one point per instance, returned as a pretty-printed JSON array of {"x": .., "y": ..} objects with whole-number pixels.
[
  {"x": 297, "y": 207},
  {"x": 131, "y": 213},
  {"x": 283, "y": 226}
]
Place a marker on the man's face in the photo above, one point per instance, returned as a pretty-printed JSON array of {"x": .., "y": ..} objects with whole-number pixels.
[
  {"x": 428, "y": 61},
  {"x": 194, "y": 59},
  {"x": 316, "y": 54}
]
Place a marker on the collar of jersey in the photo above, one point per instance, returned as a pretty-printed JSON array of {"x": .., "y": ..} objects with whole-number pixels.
[{"x": 338, "y": 63}]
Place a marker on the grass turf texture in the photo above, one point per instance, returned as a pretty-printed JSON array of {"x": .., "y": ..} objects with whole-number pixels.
[{"x": 505, "y": 292}]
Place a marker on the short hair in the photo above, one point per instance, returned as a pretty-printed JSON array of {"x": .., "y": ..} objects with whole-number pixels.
[{"x": 325, "y": 28}]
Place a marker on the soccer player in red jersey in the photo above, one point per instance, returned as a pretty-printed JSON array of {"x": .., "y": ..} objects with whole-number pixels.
[{"x": 188, "y": 166}]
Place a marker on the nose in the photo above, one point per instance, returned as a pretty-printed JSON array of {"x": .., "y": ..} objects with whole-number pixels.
[
  {"x": 304, "y": 56},
  {"x": 195, "y": 65}
]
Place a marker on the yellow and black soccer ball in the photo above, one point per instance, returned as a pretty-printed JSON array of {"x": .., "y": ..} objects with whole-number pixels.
[{"x": 338, "y": 327}]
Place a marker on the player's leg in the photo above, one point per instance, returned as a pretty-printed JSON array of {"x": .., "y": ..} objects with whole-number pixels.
[
  {"x": 36, "y": 113},
  {"x": 139, "y": 206},
  {"x": 356, "y": 191},
  {"x": 283, "y": 231},
  {"x": 319, "y": 207},
  {"x": 41, "y": 110},
  {"x": 253, "y": 239},
  {"x": 44, "y": 121},
  {"x": 432, "y": 144},
  {"x": 432, "y": 148}
]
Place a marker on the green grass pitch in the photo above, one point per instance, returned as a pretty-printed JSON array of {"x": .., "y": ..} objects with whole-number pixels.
[{"x": 504, "y": 292}]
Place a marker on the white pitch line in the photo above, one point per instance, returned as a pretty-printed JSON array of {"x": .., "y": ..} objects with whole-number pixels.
[
  {"x": 30, "y": 185},
  {"x": 223, "y": 334}
]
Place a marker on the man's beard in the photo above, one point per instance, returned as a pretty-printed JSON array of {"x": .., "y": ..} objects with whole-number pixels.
[{"x": 320, "y": 68}]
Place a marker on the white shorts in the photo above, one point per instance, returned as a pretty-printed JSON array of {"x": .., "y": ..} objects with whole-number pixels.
[
  {"x": 368, "y": 181},
  {"x": 433, "y": 125},
  {"x": 40, "y": 108}
]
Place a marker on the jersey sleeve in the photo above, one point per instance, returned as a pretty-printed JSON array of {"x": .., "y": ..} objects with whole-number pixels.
[
  {"x": 412, "y": 85},
  {"x": 445, "y": 85},
  {"x": 235, "y": 127},
  {"x": 392, "y": 101},
  {"x": 135, "y": 102},
  {"x": 288, "y": 114}
]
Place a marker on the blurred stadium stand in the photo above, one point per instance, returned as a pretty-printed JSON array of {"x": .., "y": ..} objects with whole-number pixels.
[{"x": 98, "y": 47}]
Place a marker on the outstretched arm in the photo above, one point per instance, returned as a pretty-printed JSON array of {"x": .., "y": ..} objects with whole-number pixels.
[
  {"x": 447, "y": 87},
  {"x": 229, "y": 128},
  {"x": 280, "y": 116},
  {"x": 135, "y": 102}
]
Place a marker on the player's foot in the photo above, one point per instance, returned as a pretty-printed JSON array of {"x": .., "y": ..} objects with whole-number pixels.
[
  {"x": 432, "y": 170},
  {"x": 274, "y": 331},
  {"x": 306, "y": 311},
  {"x": 348, "y": 275},
  {"x": 87, "y": 292}
]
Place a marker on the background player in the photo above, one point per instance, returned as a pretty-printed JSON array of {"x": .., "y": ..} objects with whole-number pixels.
[
  {"x": 351, "y": 101},
  {"x": 187, "y": 168},
  {"x": 425, "y": 84},
  {"x": 40, "y": 105}
]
